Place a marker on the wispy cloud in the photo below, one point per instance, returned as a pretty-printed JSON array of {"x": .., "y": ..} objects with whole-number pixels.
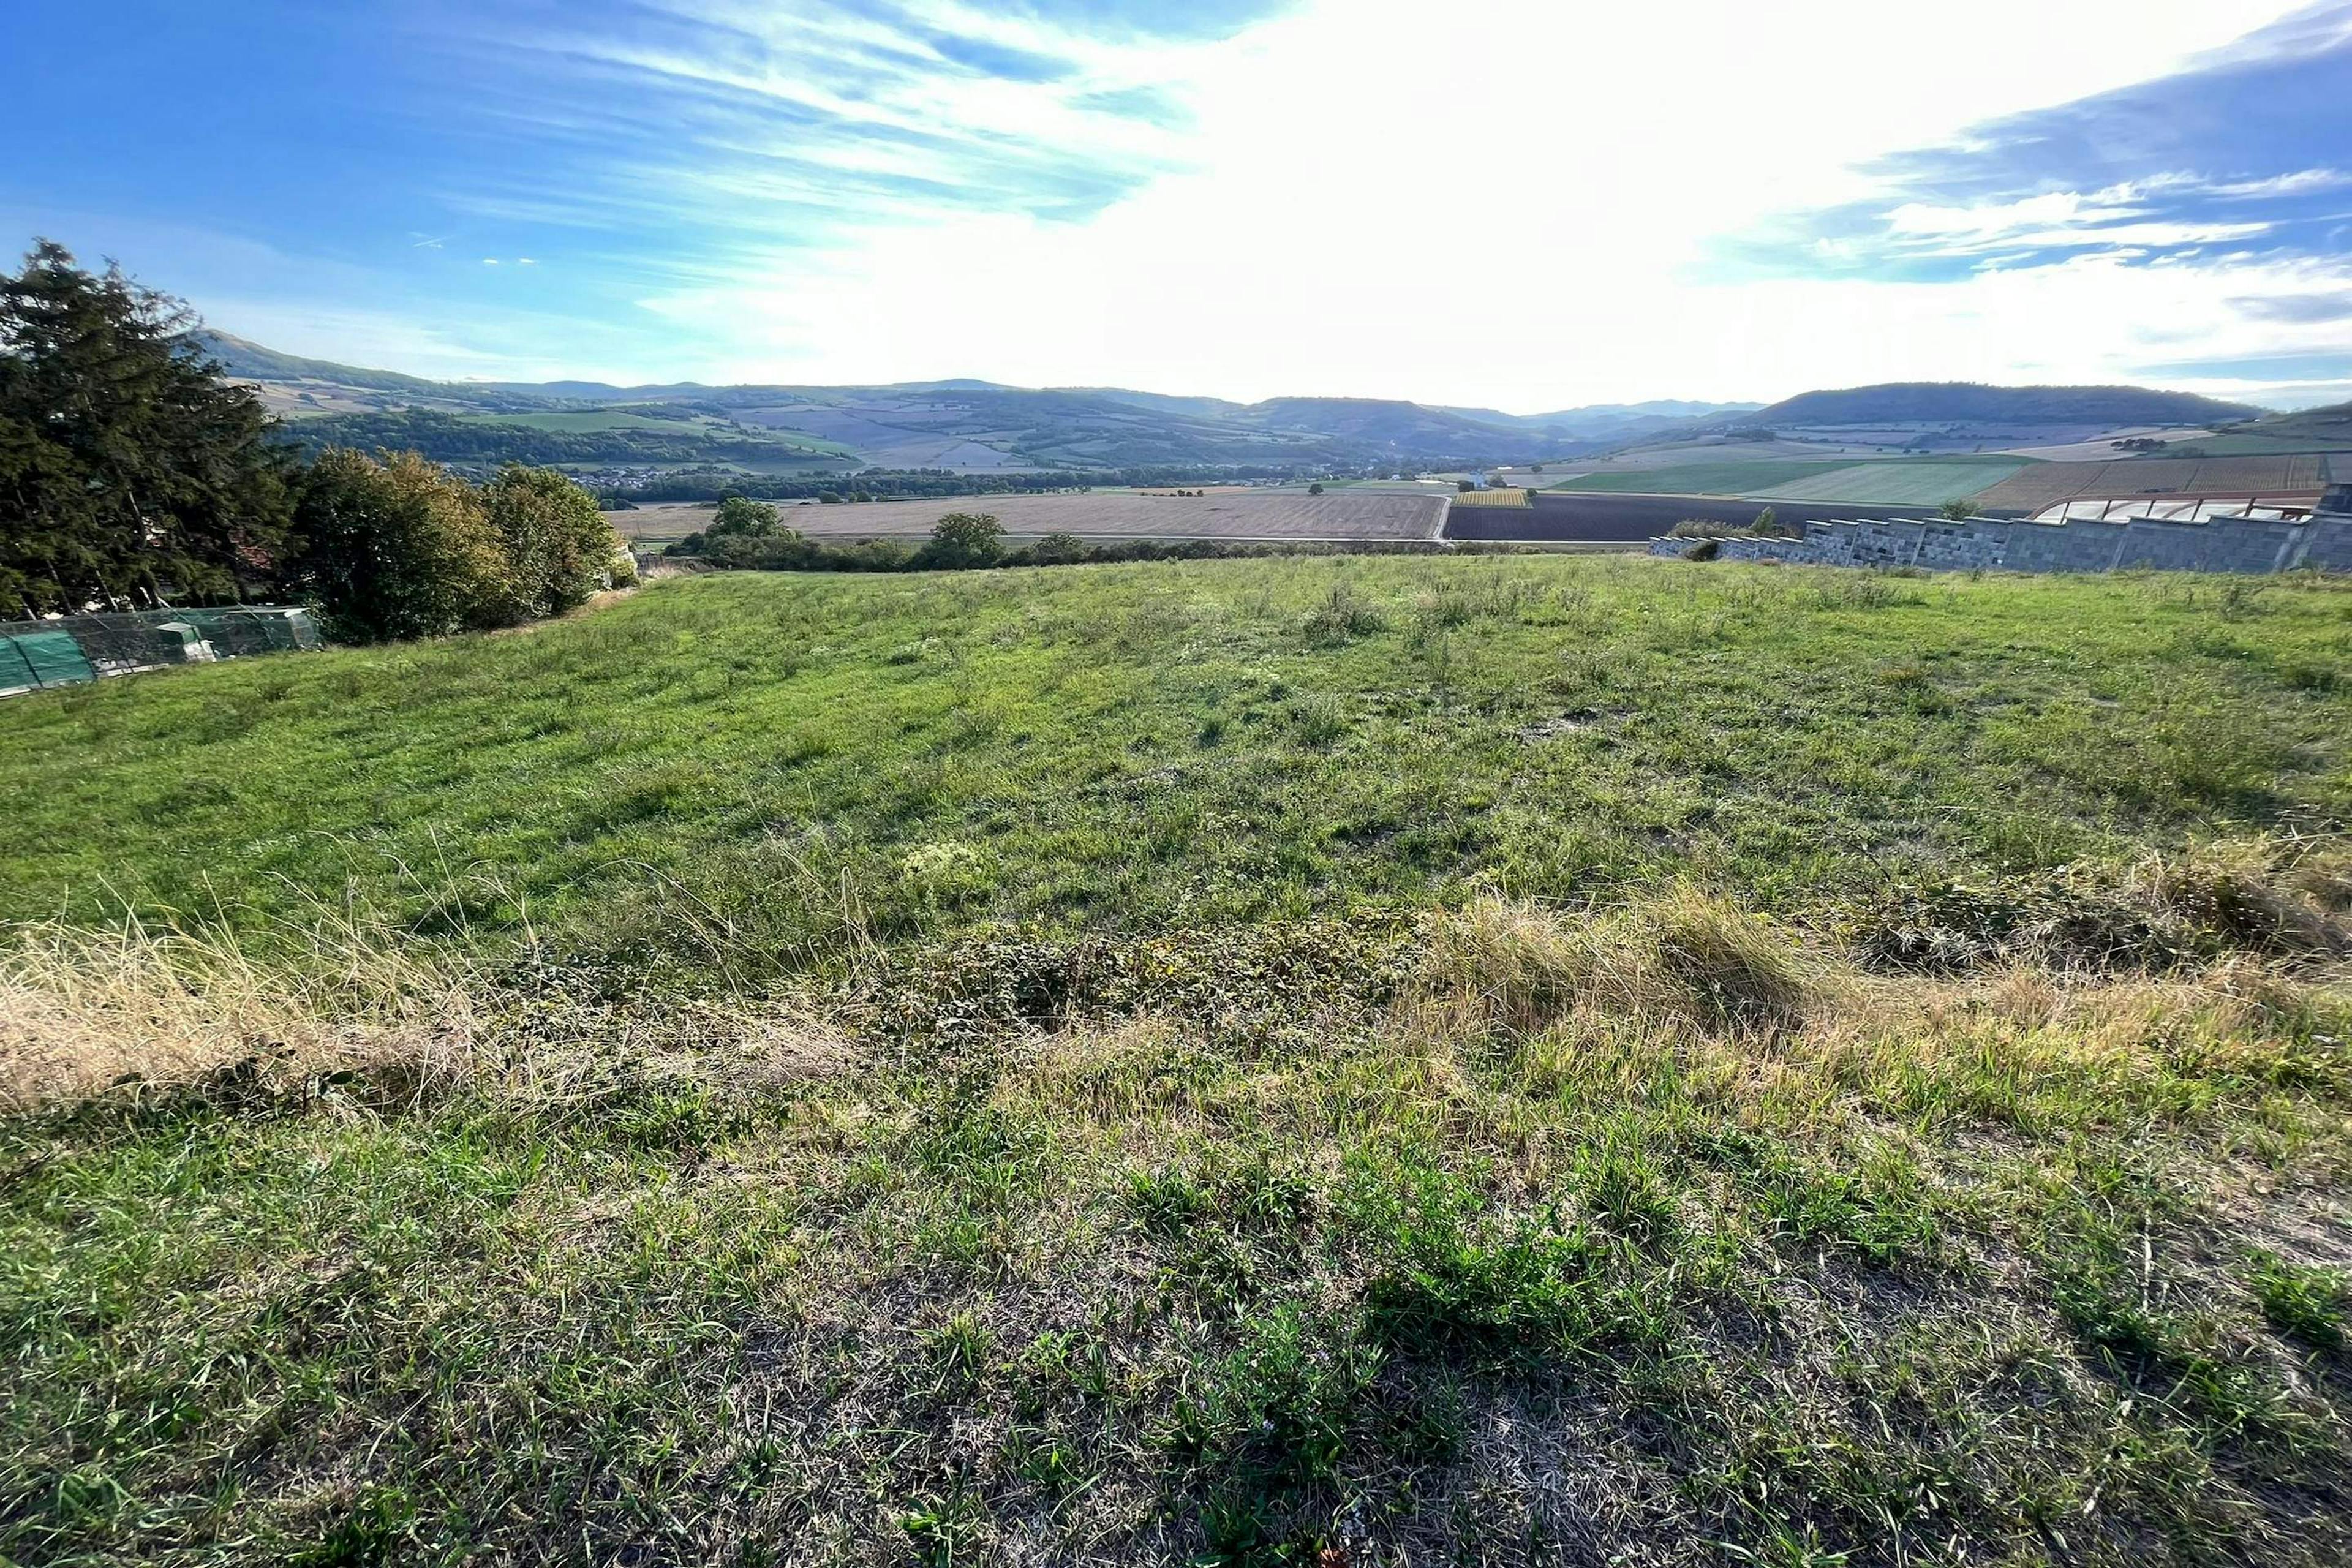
[{"x": 1682, "y": 198}]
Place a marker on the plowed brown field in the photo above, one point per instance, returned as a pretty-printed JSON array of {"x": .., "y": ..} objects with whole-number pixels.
[{"x": 2046, "y": 484}]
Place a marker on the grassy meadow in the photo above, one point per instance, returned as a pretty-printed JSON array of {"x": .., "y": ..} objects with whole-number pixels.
[{"x": 1486, "y": 1060}]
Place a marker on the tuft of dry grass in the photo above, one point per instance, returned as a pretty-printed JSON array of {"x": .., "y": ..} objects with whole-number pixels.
[
  {"x": 2271, "y": 894},
  {"x": 1684, "y": 956},
  {"x": 141, "y": 1007}
]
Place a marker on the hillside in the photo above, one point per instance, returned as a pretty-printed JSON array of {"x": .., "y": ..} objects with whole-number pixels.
[
  {"x": 1927, "y": 403},
  {"x": 786, "y": 432},
  {"x": 299, "y": 386},
  {"x": 2327, "y": 429},
  {"x": 1611, "y": 421},
  {"x": 1343, "y": 1061},
  {"x": 962, "y": 425},
  {"x": 1406, "y": 427}
]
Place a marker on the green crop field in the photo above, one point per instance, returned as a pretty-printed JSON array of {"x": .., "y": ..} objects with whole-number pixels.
[
  {"x": 1341, "y": 1060},
  {"x": 1896, "y": 482},
  {"x": 1735, "y": 479}
]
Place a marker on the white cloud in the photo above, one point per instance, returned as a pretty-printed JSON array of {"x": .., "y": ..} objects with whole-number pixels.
[
  {"x": 1503, "y": 202},
  {"x": 1350, "y": 160}
]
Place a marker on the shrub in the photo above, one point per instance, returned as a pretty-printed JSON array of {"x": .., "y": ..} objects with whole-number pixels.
[
  {"x": 964, "y": 538},
  {"x": 740, "y": 515},
  {"x": 560, "y": 546},
  {"x": 399, "y": 548},
  {"x": 1059, "y": 550},
  {"x": 1343, "y": 617}
]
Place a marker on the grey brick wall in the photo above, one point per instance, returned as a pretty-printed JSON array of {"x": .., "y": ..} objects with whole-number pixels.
[{"x": 2223, "y": 544}]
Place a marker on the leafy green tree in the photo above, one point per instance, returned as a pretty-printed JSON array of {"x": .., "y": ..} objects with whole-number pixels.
[
  {"x": 559, "y": 547},
  {"x": 1316, "y": 489},
  {"x": 130, "y": 474},
  {"x": 400, "y": 548},
  {"x": 965, "y": 539},
  {"x": 1957, "y": 510},
  {"x": 740, "y": 515}
]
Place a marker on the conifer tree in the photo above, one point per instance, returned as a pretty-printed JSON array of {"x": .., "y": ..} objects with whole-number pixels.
[{"x": 130, "y": 475}]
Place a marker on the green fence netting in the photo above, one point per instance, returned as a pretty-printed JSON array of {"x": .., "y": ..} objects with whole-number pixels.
[{"x": 69, "y": 649}]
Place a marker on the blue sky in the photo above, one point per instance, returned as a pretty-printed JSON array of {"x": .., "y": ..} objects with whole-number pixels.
[{"x": 1525, "y": 206}]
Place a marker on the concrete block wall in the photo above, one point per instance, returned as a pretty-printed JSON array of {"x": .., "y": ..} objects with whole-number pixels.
[
  {"x": 2254, "y": 545},
  {"x": 2329, "y": 544}
]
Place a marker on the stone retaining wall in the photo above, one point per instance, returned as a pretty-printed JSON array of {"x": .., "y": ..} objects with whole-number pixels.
[{"x": 2081, "y": 544}]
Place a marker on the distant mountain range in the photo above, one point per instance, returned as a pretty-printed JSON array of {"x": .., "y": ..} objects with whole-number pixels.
[
  {"x": 962, "y": 425},
  {"x": 971, "y": 426}
]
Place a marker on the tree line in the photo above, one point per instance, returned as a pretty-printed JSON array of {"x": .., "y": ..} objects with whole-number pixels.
[
  {"x": 747, "y": 535},
  {"x": 133, "y": 477}
]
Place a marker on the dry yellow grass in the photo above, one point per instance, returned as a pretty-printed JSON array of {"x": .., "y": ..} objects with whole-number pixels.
[{"x": 85, "y": 1011}]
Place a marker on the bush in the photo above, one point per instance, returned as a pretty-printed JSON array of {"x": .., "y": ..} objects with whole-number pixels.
[
  {"x": 399, "y": 548},
  {"x": 964, "y": 538},
  {"x": 741, "y": 516},
  {"x": 561, "y": 547},
  {"x": 1058, "y": 549}
]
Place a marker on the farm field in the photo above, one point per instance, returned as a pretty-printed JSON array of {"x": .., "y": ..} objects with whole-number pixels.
[
  {"x": 1895, "y": 483},
  {"x": 1491, "y": 1058},
  {"x": 2046, "y": 484},
  {"x": 1715, "y": 450},
  {"x": 2254, "y": 443},
  {"x": 2102, "y": 448},
  {"x": 1599, "y": 517},
  {"x": 1238, "y": 514},
  {"x": 1726, "y": 479}
]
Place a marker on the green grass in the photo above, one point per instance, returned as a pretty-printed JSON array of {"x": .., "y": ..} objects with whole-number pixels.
[
  {"x": 757, "y": 732},
  {"x": 1736, "y": 478},
  {"x": 1497, "y": 1058}
]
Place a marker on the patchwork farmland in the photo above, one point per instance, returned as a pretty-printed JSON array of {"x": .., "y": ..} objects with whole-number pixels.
[{"x": 1343, "y": 515}]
